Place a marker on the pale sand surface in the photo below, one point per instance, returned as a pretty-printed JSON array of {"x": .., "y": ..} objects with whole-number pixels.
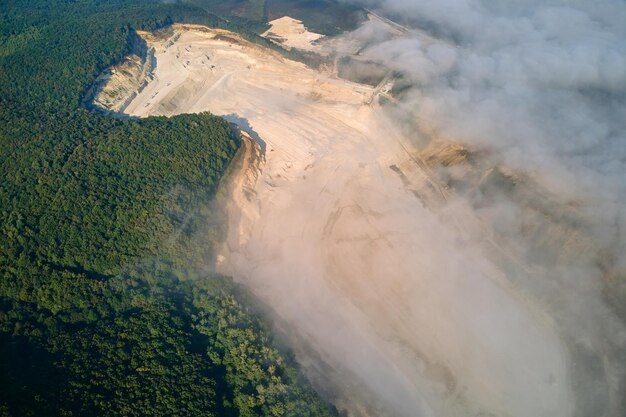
[
  {"x": 339, "y": 232},
  {"x": 291, "y": 33}
]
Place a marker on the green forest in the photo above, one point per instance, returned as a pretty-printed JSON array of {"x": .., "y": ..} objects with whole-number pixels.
[
  {"x": 328, "y": 17},
  {"x": 106, "y": 308}
]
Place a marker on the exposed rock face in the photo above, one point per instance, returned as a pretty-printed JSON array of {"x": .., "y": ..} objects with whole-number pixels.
[{"x": 117, "y": 86}]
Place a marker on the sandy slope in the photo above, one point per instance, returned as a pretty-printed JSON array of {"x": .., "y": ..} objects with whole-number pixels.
[
  {"x": 291, "y": 33},
  {"x": 339, "y": 234}
]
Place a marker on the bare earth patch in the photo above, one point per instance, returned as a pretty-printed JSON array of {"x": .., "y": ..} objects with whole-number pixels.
[{"x": 291, "y": 33}]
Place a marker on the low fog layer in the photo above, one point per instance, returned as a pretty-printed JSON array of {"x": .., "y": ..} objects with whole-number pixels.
[
  {"x": 445, "y": 254},
  {"x": 541, "y": 85},
  {"x": 539, "y": 92}
]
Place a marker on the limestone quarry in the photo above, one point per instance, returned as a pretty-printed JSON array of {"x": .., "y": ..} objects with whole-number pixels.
[{"x": 398, "y": 298}]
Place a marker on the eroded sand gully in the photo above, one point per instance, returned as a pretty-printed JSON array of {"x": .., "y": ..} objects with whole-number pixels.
[{"x": 388, "y": 307}]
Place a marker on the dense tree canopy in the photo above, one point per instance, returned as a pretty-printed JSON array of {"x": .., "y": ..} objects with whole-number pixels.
[{"x": 105, "y": 226}]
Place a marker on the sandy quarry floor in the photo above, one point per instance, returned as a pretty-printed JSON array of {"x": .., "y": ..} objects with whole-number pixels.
[{"x": 339, "y": 234}]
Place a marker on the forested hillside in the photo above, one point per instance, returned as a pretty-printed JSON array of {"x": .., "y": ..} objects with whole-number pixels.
[{"x": 106, "y": 225}]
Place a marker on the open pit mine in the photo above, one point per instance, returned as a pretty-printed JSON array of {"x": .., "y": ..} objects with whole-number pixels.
[{"x": 398, "y": 298}]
